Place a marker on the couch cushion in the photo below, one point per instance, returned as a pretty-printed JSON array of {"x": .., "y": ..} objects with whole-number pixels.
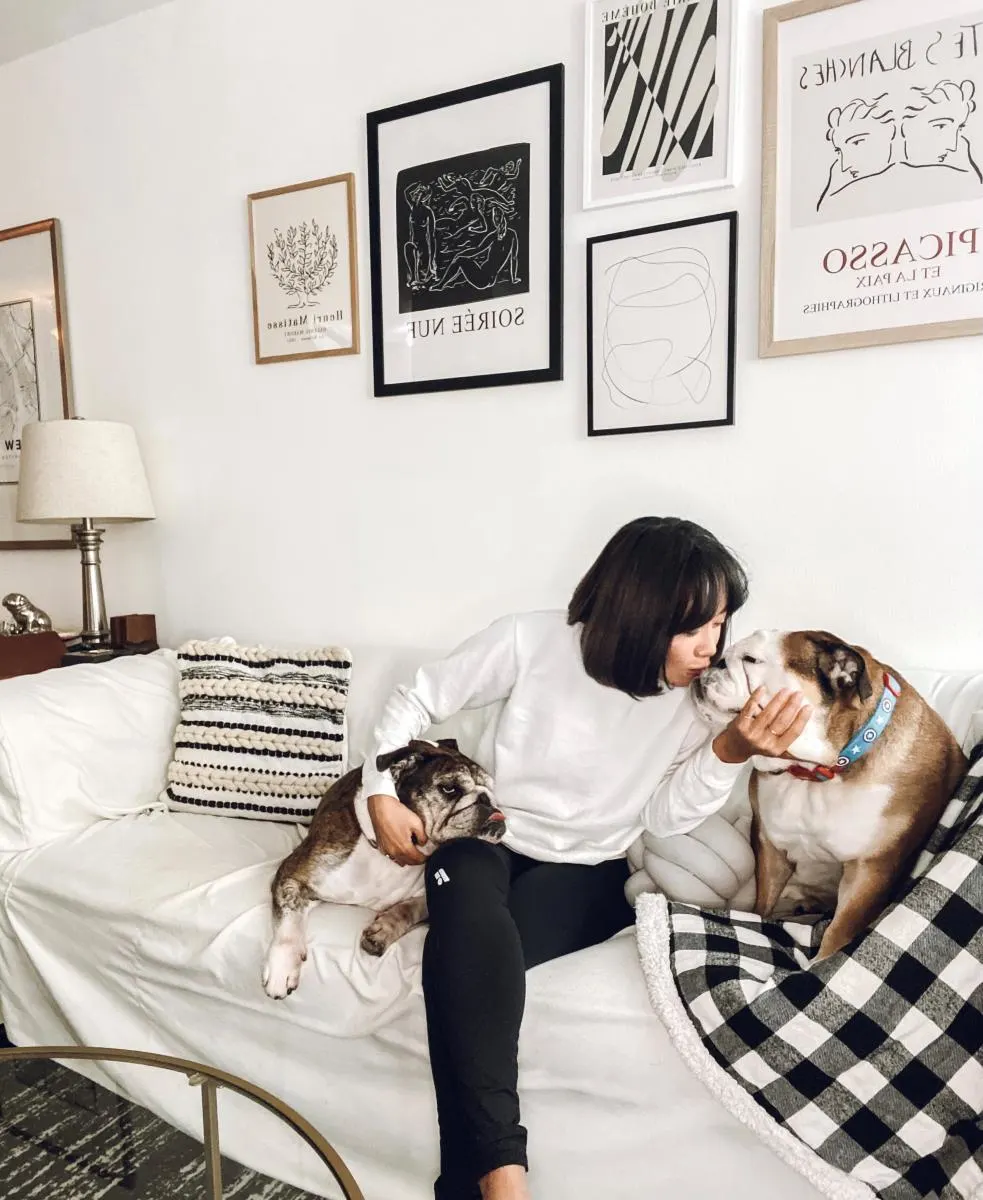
[
  {"x": 150, "y": 932},
  {"x": 262, "y": 731},
  {"x": 83, "y": 742}
]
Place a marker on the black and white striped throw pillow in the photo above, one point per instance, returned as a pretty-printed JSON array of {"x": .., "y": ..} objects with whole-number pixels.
[{"x": 262, "y": 732}]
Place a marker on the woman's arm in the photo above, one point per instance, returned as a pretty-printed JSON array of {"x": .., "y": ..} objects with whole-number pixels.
[
  {"x": 706, "y": 766},
  {"x": 480, "y": 671},
  {"x": 696, "y": 785}
]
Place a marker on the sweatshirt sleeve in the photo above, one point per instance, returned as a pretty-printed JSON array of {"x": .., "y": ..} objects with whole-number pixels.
[
  {"x": 480, "y": 671},
  {"x": 696, "y": 785}
]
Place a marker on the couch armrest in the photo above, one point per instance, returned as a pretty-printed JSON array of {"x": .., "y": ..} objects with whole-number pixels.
[{"x": 82, "y": 744}]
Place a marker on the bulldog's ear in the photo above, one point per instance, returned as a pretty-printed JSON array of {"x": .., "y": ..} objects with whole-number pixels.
[
  {"x": 393, "y": 758},
  {"x": 416, "y": 751},
  {"x": 842, "y": 670}
]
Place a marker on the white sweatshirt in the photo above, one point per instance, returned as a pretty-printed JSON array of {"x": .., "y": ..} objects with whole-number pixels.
[{"x": 580, "y": 769}]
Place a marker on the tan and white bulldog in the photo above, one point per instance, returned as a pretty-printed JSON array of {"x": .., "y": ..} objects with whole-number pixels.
[
  {"x": 867, "y": 782},
  {"x": 338, "y": 860}
]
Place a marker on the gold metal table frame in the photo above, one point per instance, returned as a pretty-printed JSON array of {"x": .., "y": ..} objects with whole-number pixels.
[{"x": 209, "y": 1079}]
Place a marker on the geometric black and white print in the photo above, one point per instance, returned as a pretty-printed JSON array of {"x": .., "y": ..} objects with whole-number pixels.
[
  {"x": 63, "y": 1137},
  {"x": 872, "y": 1058},
  {"x": 660, "y": 90},
  {"x": 262, "y": 731},
  {"x": 462, "y": 228}
]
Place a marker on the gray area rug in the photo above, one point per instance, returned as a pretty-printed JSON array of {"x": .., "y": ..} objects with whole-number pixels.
[{"x": 63, "y": 1137}]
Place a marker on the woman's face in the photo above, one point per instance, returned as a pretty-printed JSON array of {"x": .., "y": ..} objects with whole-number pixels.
[{"x": 691, "y": 653}]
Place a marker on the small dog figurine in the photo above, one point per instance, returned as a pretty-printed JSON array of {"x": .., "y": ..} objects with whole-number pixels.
[
  {"x": 860, "y": 790},
  {"x": 27, "y": 616},
  {"x": 339, "y": 862}
]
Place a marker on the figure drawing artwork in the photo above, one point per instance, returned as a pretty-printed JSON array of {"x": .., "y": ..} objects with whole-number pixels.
[{"x": 462, "y": 225}]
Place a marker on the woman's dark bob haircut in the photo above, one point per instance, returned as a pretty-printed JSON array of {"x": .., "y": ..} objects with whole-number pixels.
[{"x": 658, "y": 576}]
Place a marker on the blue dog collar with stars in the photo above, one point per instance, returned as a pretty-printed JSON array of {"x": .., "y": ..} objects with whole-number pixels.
[{"x": 858, "y": 745}]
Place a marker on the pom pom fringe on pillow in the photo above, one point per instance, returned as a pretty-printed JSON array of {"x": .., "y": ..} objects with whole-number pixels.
[{"x": 262, "y": 731}]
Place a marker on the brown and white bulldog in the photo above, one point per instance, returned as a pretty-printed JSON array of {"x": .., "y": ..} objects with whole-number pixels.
[
  {"x": 866, "y": 784},
  {"x": 338, "y": 861}
]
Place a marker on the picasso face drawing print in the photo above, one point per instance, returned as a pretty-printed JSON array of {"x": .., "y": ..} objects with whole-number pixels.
[{"x": 873, "y": 185}]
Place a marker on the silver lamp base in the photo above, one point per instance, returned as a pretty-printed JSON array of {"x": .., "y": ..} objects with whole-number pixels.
[{"x": 94, "y": 640}]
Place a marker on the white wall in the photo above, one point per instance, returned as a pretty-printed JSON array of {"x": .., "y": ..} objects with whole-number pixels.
[{"x": 294, "y": 505}]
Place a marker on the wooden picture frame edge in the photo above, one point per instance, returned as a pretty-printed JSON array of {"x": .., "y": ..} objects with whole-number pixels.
[
  {"x": 348, "y": 178},
  {"x": 52, "y": 226}
]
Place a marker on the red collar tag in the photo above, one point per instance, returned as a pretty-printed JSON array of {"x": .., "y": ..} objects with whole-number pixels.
[{"x": 817, "y": 774}]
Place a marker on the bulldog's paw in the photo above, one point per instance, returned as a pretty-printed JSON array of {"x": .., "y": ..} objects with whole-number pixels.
[
  {"x": 378, "y": 936},
  {"x": 281, "y": 975}
]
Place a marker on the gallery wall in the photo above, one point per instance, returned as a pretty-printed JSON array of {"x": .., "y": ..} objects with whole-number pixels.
[{"x": 295, "y": 506}]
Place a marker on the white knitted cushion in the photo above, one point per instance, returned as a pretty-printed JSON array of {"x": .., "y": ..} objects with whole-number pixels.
[{"x": 262, "y": 732}]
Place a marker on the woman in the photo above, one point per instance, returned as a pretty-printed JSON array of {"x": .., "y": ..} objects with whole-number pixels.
[{"x": 596, "y": 740}]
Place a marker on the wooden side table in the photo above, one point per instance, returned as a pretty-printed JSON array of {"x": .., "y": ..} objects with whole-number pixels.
[
  {"x": 72, "y": 657},
  {"x": 29, "y": 653}
]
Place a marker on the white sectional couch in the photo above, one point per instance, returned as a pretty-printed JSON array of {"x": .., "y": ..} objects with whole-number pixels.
[{"x": 143, "y": 929}]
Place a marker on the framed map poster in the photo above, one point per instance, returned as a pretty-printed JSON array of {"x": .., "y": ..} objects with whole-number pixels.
[
  {"x": 872, "y": 186},
  {"x": 35, "y": 382}
]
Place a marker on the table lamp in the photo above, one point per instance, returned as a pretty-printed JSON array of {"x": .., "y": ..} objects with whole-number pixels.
[{"x": 78, "y": 472}]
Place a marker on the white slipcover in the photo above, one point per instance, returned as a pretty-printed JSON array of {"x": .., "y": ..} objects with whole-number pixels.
[{"x": 148, "y": 930}]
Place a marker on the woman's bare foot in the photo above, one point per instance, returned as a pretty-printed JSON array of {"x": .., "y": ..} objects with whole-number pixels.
[{"x": 506, "y": 1183}]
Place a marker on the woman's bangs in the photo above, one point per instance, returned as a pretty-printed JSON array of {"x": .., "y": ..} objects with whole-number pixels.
[{"x": 700, "y": 597}]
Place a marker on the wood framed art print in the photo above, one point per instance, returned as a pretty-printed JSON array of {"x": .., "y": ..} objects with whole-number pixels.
[
  {"x": 304, "y": 270},
  {"x": 872, "y": 186},
  {"x": 35, "y": 379}
]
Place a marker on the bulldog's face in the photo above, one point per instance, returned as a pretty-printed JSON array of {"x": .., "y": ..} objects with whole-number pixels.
[
  {"x": 829, "y": 673},
  {"x": 450, "y": 793}
]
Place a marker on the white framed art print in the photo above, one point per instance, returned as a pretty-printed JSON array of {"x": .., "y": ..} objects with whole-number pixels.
[{"x": 660, "y": 99}]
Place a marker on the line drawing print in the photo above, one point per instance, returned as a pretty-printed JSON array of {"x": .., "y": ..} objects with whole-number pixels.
[
  {"x": 462, "y": 228},
  {"x": 303, "y": 261},
  {"x": 658, "y": 329},
  {"x": 19, "y": 397},
  {"x": 922, "y": 129},
  {"x": 660, "y": 91}
]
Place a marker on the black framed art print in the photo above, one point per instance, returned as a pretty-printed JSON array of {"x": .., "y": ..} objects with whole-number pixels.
[
  {"x": 465, "y": 231},
  {"x": 661, "y": 320}
]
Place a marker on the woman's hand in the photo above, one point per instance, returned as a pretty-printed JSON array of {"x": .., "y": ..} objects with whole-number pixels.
[
  {"x": 398, "y": 831},
  {"x": 768, "y": 730}
]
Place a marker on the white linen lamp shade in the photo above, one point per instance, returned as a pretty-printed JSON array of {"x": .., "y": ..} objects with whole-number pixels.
[
  {"x": 70, "y": 470},
  {"x": 80, "y": 472}
]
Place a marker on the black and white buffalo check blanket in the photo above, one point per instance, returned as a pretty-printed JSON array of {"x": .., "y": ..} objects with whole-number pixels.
[{"x": 863, "y": 1071}]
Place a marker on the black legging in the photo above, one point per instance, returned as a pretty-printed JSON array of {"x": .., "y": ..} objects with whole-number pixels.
[{"x": 493, "y": 914}]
